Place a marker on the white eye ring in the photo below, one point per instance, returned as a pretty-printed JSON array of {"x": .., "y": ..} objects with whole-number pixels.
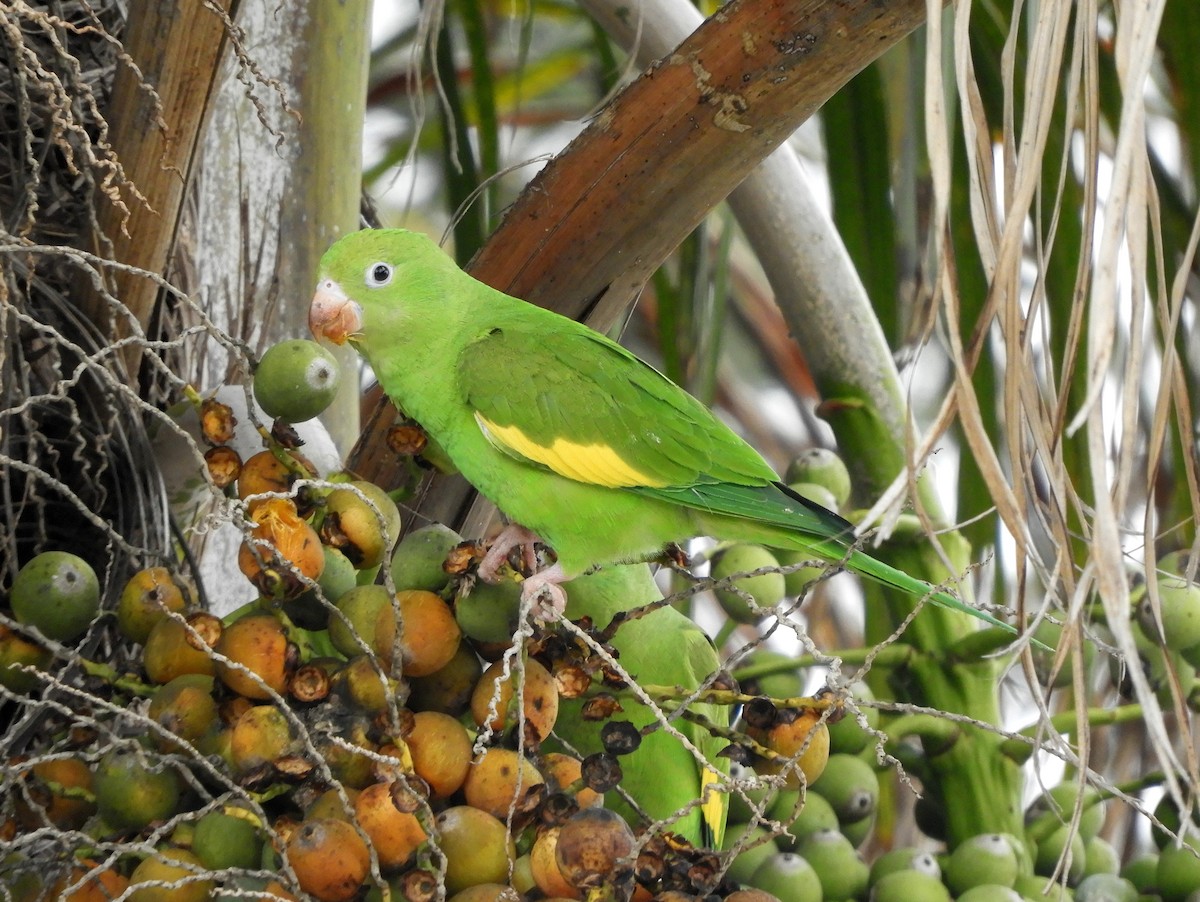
[{"x": 379, "y": 274}]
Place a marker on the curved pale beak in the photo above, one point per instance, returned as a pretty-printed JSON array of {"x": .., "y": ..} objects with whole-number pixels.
[{"x": 333, "y": 315}]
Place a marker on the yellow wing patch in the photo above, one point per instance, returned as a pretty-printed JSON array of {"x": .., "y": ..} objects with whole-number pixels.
[
  {"x": 712, "y": 808},
  {"x": 593, "y": 464}
]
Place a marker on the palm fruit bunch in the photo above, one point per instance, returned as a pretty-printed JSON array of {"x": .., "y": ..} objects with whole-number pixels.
[{"x": 376, "y": 723}]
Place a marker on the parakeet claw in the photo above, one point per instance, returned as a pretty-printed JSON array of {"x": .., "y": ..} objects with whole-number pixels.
[
  {"x": 543, "y": 592},
  {"x": 512, "y": 536}
]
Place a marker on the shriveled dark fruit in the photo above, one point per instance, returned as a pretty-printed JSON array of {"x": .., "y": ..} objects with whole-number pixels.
[
  {"x": 58, "y": 593},
  {"x": 417, "y": 560},
  {"x": 145, "y": 599},
  {"x": 595, "y": 847},
  {"x": 766, "y": 589},
  {"x": 562, "y": 771},
  {"x": 131, "y": 791},
  {"x": 296, "y": 380}
]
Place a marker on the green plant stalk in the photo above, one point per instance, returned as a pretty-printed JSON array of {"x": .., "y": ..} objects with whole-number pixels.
[
  {"x": 984, "y": 784},
  {"x": 1065, "y": 722},
  {"x": 964, "y": 762}
]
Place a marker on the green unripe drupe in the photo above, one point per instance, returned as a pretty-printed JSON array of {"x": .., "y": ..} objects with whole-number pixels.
[
  {"x": 906, "y": 859},
  {"x": 296, "y": 380},
  {"x": 1178, "y": 874},
  {"x": 816, "y": 814},
  {"x": 789, "y": 878},
  {"x": 841, "y": 870},
  {"x": 824, "y": 468},
  {"x": 490, "y": 612},
  {"x": 910, "y": 886},
  {"x": 418, "y": 559},
  {"x": 989, "y": 858},
  {"x": 990, "y": 892},
  {"x": 851, "y": 787},
  {"x": 742, "y": 868},
  {"x": 58, "y": 593},
  {"x": 1105, "y": 888},
  {"x": 766, "y": 589}
]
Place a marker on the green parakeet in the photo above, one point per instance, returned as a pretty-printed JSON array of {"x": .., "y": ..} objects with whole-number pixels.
[
  {"x": 569, "y": 434},
  {"x": 663, "y": 648}
]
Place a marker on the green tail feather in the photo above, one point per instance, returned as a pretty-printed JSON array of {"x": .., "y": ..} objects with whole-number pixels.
[{"x": 785, "y": 519}]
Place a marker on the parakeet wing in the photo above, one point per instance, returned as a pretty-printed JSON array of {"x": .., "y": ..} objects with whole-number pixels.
[
  {"x": 585, "y": 408},
  {"x": 771, "y": 505}
]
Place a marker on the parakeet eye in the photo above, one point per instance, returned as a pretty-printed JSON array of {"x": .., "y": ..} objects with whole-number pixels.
[{"x": 378, "y": 275}]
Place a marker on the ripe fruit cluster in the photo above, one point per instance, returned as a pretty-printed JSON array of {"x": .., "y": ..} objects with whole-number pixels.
[
  {"x": 313, "y": 742},
  {"x": 379, "y": 724}
]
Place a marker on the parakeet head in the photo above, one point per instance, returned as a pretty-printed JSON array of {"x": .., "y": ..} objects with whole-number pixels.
[{"x": 371, "y": 275}]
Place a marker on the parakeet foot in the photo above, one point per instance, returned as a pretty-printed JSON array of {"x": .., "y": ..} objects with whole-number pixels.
[
  {"x": 543, "y": 592},
  {"x": 512, "y": 536}
]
